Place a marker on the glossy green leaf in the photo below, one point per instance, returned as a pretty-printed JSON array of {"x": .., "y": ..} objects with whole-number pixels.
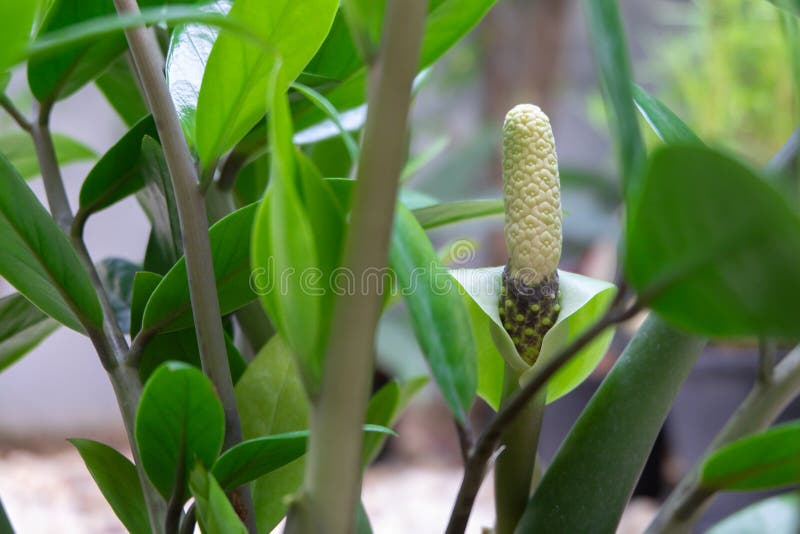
[
  {"x": 453, "y": 212},
  {"x": 767, "y": 460},
  {"x": 182, "y": 347},
  {"x": 447, "y": 22},
  {"x": 583, "y": 301},
  {"x": 39, "y": 260},
  {"x": 776, "y": 515},
  {"x": 666, "y": 125},
  {"x": 144, "y": 283},
  {"x": 188, "y": 54},
  {"x": 79, "y": 39},
  {"x": 62, "y": 74},
  {"x": 157, "y": 199},
  {"x": 384, "y": 408},
  {"x": 179, "y": 421},
  {"x": 271, "y": 400},
  {"x": 18, "y": 148},
  {"x": 601, "y": 458},
  {"x": 291, "y": 31},
  {"x": 215, "y": 514},
  {"x": 714, "y": 248},
  {"x": 116, "y": 275},
  {"x": 22, "y": 327},
  {"x": 118, "y": 173},
  {"x": 607, "y": 39},
  {"x": 121, "y": 89},
  {"x": 333, "y": 115},
  {"x": 284, "y": 243},
  {"x": 118, "y": 481},
  {"x": 438, "y": 315},
  {"x": 16, "y": 22},
  {"x": 169, "y": 308}
]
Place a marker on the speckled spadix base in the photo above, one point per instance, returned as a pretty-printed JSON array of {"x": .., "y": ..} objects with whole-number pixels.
[{"x": 528, "y": 312}]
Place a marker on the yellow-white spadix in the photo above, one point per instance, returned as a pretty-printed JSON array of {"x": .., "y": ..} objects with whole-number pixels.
[{"x": 529, "y": 303}]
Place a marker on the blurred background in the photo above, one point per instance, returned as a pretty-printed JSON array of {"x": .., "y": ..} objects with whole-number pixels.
[{"x": 724, "y": 66}]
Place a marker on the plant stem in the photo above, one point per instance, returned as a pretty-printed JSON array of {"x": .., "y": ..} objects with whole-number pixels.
[
  {"x": 15, "y": 114},
  {"x": 191, "y": 210},
  {"x": 333, "y": 464},
  {"x": 513, "y": 469},
  {"x": 764, "y": 403},
  {"x": 109, "y": 344},
  {"x": 477, "y": 465}
]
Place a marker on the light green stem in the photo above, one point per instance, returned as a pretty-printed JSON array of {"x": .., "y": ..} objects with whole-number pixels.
[
  {"x": 333, "y": 463},
  {"x": 514, "y": 467}
]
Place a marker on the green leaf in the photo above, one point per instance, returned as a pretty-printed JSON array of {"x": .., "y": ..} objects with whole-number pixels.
[
  {"x": 116, "y": 275},
  {"x": 179, "y": 421},
  {"x": 333, "y": 115},
  {"x": 271, "y": 400},
  {"x": 118, "y": 173},
  {"x": 16, "y": 21},
  {"x": 790, "y": 6},
  {"x": 583, "y": 301},
  {"x": 384, "y": 408},
  {"x": 169, "y": 308},
  {"x": 291, "y": 31},
  {"x": 189, "y": 49},
  {"x": 448, "y": 21},
  {"x": 117, "y": 479},
  {"x": 438, "y": 315},
  {"x": 144, "y": 283},
  {"x": 767, "y": 460},
  {"x": 38, "y": 259},
  {"x": 157, "y": 199},
  {"x": 591, "y": 478},
  {"x": 18, "y": 148},
  {"x": 22, "y": 327},
  {"x": 284, "y": 242},
  {"x": 257, "y": 457},
  {"x": 121, "y": 88},
  {"x": 453, "y": 212},
  {"x": 607, "y": 39},
  {"x": 62, "y": 74},
  {"x": 776, "y": 515},
  {"x": 80, "y": 39},
  {"x": 215, "y": 514},
  {"x": 363, "y": 525},
  {"x": 5, "y": 522},
  {"x": 714, "y": 248},
  {"x": 666, "y": 125}
]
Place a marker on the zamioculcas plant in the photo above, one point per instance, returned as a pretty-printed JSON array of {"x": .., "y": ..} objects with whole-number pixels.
[{"x": 241, "y": 346}]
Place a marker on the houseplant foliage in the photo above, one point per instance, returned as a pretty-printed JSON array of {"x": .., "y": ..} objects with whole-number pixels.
[{"x": 235, "y": 428}]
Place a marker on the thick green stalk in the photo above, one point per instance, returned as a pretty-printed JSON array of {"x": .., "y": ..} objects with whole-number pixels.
[
  {"x": 764, "y": 403},
  {"x": 591, "y": 478},
  {"x": 194, "y": 225},
  {"x": 110, "y": 344},
  {"x": 513, "y": 470},
  {"x": 333, "y": 464}
]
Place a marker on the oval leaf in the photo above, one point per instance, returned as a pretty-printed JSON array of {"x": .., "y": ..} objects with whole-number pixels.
[
  {"x": 215, "y": 514},
  {"x": 179, "y": 421},
  {"x": 118, "y": 481},
  {"x": 169, "y": 308},
  {"x": 770, "y": 459},
  {"x": 438, "y": 315},
  {"x": 271, "y": 400},
  {"x": 22, "y": 327},
  {"x": 714, "y": 248},
  {"x": 38, "y": 259},
  {"x": 290, "y": 30}
]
